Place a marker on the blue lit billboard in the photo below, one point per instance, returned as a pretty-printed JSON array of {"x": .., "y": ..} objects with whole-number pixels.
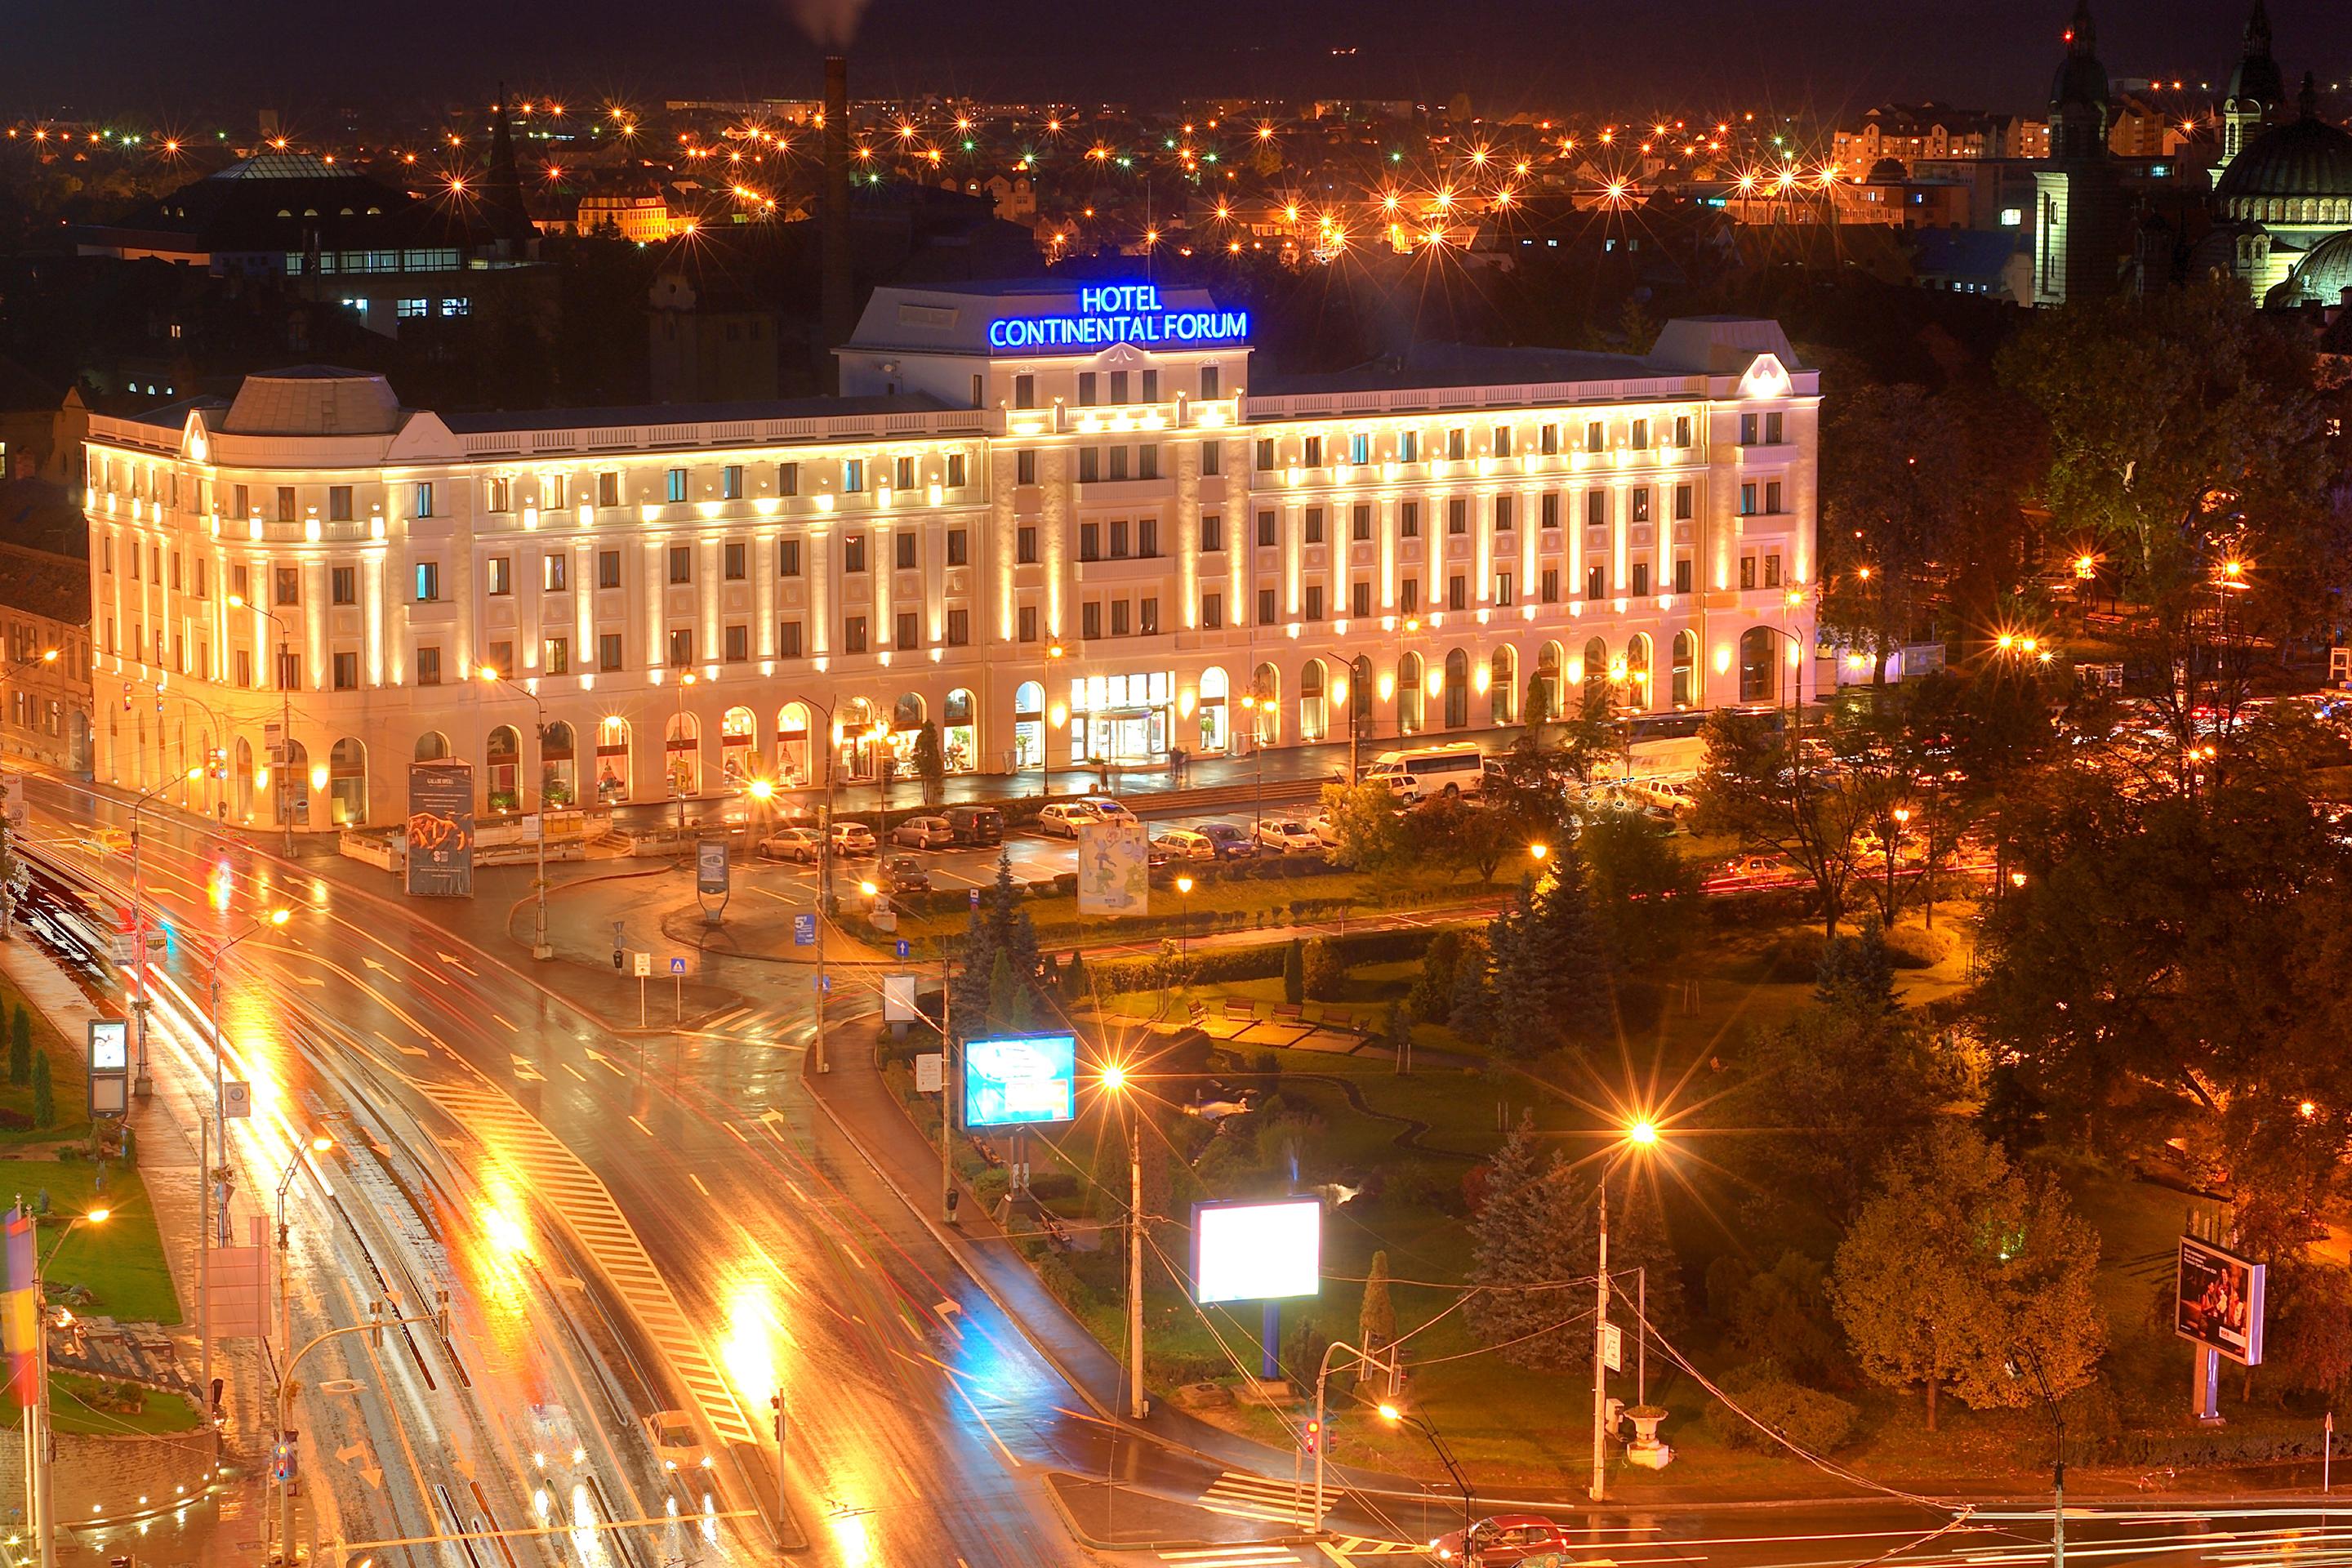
[
  {"x": 1118, "y": 314},
  {"x": 1021, "y": 1081}
]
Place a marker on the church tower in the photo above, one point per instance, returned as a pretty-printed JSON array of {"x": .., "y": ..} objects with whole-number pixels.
[
  {"x": 2257, "y": 91},
  {"x": 2077, "y": 243}
]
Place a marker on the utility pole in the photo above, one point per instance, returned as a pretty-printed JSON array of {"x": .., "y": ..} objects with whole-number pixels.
[
  {"x": 824, "y": 912},
  {"x": 285, "y": 741},
  {"x": 947, "y": 1094},
  {"x": 1135, "y": 1407},
  {"x": 1599, "y": 1489}
]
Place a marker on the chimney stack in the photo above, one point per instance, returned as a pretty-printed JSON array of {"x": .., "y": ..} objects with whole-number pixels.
[{"x": 834, "y": 219}]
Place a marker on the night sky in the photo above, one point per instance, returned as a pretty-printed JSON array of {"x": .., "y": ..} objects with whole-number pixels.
[{"x": 109, "y": 57}]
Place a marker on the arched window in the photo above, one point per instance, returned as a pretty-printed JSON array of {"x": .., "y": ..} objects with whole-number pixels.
[
  {"x": 243, "y": 768},
  {"x": 1503, "y": 686},
  {"x": 613, "y": 763},
  {"x": 683, "y": 747},
  {"x": 1637, "y": 672},
  {"x": 1216, "y": 722},
  {"x": 1361, "y": 693},
  {"x": 504, "y": 755},
  {"x": 907, "y": 712},
  {"x": 559, "y": 777},
  {"x": 793, "y": 746},
  {"x": 1685, "y": 670},
  {"x": 1457, "y": 689},
  {"x": 1596, "y": 670},
  {"x": 959, "y": 735},
  {"x": 432, "y": 746},
  {"x": 737, "y": 743},
  {"x": 347, "y": 784},
  {"x": 1314, "y": 710},
  {"x": 1543, "y": 692},
  {"x": 1028, "y": 725},
  {"x": 1266, "y": 695},
  {"x": 290, "y": 785},
  {"x": 1758, "y": 681},
  {"x": 1408, "y": 694}
]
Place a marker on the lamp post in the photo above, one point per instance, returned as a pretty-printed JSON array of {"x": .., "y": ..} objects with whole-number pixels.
[
  {"x": 490, "y": 675},
  {"x": 1898, "y": 818},
  {"x": 2057, "y": 1464},
  {"x": 44, "y": 1509},
  {"x": 1114, "y": 1081},
  {"x": 1256, "y": 706},
  {"x": 1444, "y": 1452},
  {"x": 1640, "y": 1134},
  {"x": 677, "y": 781},
  {"x": 761, "y": 792},
  {"x": 141, "y": 1084},
  {"x": 1365, "y": 1359},
  {"x": 319, "y": 1143},
  {"x": 1045, "y": 721},
  {"x": 285, "y": 718},
  {"x": 1183, "y": 915}
]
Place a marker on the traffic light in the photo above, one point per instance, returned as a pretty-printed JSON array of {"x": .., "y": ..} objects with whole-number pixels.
[
  {"x": 776, "y": 1404},
  {"x": 281, "y": 1457},
  {"x": 1312, "y": 1437}
]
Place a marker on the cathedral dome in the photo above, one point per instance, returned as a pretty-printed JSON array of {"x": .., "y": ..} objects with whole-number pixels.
[
  {"x": 2323, "y": 276},
  {"x": 2305, "y": 158}
]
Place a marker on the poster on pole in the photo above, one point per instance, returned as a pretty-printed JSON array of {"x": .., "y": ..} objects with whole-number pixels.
[
  {"x": 712, "y": 869},
  {"x": 441, "y": 830},
  {"x": 2218, "y": 1300},
  {"x": 1021, "y": 1081},
  {"x": 12, "y": 799},
  {"x": 898, "y": 999},
  {"x": 1113, "y": 869},
  {"x": 1262, "y": 1251}
]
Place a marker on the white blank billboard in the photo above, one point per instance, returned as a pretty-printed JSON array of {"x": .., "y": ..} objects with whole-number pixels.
[{"x": 1257, "y": 1251}]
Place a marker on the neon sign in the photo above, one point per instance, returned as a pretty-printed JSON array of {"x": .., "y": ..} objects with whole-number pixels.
[{"x": 1118, "y": 314}]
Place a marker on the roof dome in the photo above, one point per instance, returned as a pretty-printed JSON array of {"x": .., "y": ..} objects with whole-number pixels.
[
  {"x": 2304, "y": 157},
  {"x": 313, "y": 400},
  {"x": 2323, "y": 276}
]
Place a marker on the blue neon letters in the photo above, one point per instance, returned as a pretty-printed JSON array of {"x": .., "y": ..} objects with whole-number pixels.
[{"x": 1118, "y": 314}]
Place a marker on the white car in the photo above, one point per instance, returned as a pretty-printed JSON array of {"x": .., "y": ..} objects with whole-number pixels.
[
  {"x": 853, "y": 838},
  {"x": 1286, "y": 837},
  {"x": 1107, "y": 809},
  {"x": 1325, "y": 835},
  {"x": 1066, "y": 816},
  {"x": 672, "y": 1434},
  {"x": 924, "y": 833},
  {"x": 801, "y": 844}
]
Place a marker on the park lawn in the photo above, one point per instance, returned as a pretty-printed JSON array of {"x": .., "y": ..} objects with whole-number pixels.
[
  {"x": 71, "y": 1410},
  {"x": 120, "y": 1261},
  {"x": 69, "y": 1080},
  {"x": 1216, "y": 895}
]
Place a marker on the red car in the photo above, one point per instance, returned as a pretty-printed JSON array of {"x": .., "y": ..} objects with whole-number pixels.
[{"x": 1500, "y": 1539}]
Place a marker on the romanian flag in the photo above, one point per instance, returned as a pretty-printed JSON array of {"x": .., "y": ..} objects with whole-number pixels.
[{"x": 20, "y": 1311}]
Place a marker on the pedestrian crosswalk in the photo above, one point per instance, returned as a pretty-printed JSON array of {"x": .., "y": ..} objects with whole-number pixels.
[
  {"x": 1243, "y": 1554},
  {"x": 1350, "y": 1546},
  {"x": 1258, "y": 1497}
]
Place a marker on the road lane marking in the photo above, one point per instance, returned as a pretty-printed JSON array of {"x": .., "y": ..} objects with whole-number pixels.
[
  {"x": 641, "y": 1126},
  {"x": 697, "y": 1183},
  {"x": 574, "y": 1072},
  {"x": 511, "y": 1028}
]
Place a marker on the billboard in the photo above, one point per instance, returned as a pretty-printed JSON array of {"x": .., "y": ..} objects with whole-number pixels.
[
  {"x": 2218, "y": 1300},
  {"x": 711, "y": 870},
  {"x": 441, "y": 829},
  {"x": 1021, "y": 1081},
  {"x": 1257, "y": 1251},
  {"x": 1113, "y": 869}
]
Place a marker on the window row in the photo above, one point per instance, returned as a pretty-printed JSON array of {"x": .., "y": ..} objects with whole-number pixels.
[{"x": 1459, "y": 444}]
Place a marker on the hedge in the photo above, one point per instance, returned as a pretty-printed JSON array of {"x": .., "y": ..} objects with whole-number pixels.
[{"x": 1263, "y": 962}]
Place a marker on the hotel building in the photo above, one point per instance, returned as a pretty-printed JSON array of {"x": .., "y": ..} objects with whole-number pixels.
[{"x": 1043, "y": 517}]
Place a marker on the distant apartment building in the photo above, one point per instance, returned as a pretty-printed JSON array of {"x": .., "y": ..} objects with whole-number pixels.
[{"x": 1907, "y": 132}]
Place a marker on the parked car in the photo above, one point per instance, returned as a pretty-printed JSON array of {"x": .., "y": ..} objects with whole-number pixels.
[
  {"x": 904, "y": 874},
  {"x": 1184, "y": 844},
  {"x": 924, "y": 833},
  {"x": 1065, "y": 817},
  {"x": 1106, "y": 808},
  {"x": 1500, "y": 1539},
  {"x": 801, "y": 844},
  {"x": 853, "y": 838},
  {"x": 1232, "y": 843},
  {"x": 111, "y": 841},
  {"x": 1286, "y": 835},
  {"x": 1424, "y": 772},
  {"x": 1327, "y": 835},
  {"x": 976, "y": 825}
]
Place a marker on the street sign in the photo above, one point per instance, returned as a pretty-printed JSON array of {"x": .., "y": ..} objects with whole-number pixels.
[
  {"x": 930, "y": 1073},
  {"x": 824, "y": 983},
  {"x": 236, "y": 1099},
  {"x": 641, "y": 965},
  {"x": 975, "y": 898},
  {"x": 1613, "y": 1347},
  {"x": 804, "y": 930},
  {"x": 678, "y": 966},
  {"x": 905, "y": 947}
]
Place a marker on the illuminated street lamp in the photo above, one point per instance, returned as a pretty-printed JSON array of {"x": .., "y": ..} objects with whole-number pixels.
[
  {"x": 319, "y": 1143},
  {"x": 1113, "y": 1079},
  {"x": 44, "y": 1509},
  {"x": 1638, "y": 1136},
  {"x": 1183, "y": 915},
  {"x": 1395, "y": 1415}
]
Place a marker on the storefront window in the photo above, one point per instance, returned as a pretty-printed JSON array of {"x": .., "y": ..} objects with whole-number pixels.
[{"x": 1121, "y": 719}]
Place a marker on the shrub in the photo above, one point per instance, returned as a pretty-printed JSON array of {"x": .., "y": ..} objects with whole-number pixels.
[
  {"x": 1816, "y": 1422},
  {"x": 1324, "y": 974},
  {"x": 1797, "y": 956},
  {"x": 1916, "y": 947},
  {"x": 1294, "y": 972}
]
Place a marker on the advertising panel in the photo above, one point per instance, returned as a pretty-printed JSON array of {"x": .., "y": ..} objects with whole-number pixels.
[
  {"x": 1021, "y": 1082},
  {"x": 711, "y": 866},
  {"x": 899, "y": 1006},
  {"x": 1113, "y": 869},
  {"x": 2218, "y": 1300},
  {"x": 441, "y": 830},
  {"x": 1257, "y": 1251}
]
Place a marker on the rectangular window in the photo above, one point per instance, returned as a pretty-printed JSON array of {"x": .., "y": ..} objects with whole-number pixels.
[
  {"x": 553, "y": 573},
  {"x": 1641, "y": 501},
  {"x": 1360, "y": 599},
  {"x": 428, "y": 582},
  {"x": 1119, "y": 462},
  {"x": 730, "y": 482},
  {"x": 608, "y": 568},
  {"x": 1024, "y": 391},
  {"x": 1596, "y": 437},
  {"x": 1550, "y": 585},
  {"x": 1594, "y": 583},
  {"x": 959, "y": 626},
  {"x": 1147, "y": 462},
  {"x": 240, "y": 578},
  {"x": 1596, "y": 507},
  {"x": 682, "y": 646},
  {"x": 905, "y": 544},
  {"x": 1089, "y": 388},
  {"x": 788, "y": 558},
  {"x": 501, "y": 578},
  {"x": 853, "y": 475},
  {"x": 1748, "y": 500},
  {"x": 738, "y": 561},
  {"x": 1311, "y": 453},
  {"x": 1267, "y": 533},
  {"x": 502, "y": 659},
  {"x": 1640, "y": 440},
  {"x": 1024, "y": 467},
  {"x": 1359, "y": 448},
  {"x": 339, "y": 503},
  {"x": 1024, "y": 546},
  {"x": 1314, "y": 601},
  {"x": 497, "y": 495},
  {"x": 1682, "y": 430},
  {"x": 1266, "y": 615},
  {"x": 1265, "y": 454},
  {"x": 1640, "y": 579},
  {"x": 681, "y": 564},
  {"x": 1090, "y": 542},
  {"x": 288, "y": 588},
  {"x": 1360, "y": 524},
  {"x": 1772, "y": 570},
  {"x": 1147, "y": 538},
  {"x": 287, "y": 511},
  {"x": 1457, "y": 445},
  {"x": 1548, "y": 439},
  {"x": 429, "y": 665},
  {"x": 904, "y": 478},
  {"x": 1147, "y": 617},
  {"x": 1747, "y": 573},
  {"x": 1314, "y": 525},
  {"x": 1504, "y": 590},
  {"x": 956, "y": 478},
  {"x": 1550, "y": 508},
  {"x": 853, "y": 552},
  {"x": 1027, "y": 622},
  {"x": 1502, "y": 440},
  {"x": 344, "y": 584},
  {"x": 1151, "y": 386},
  {"x": 242, "y": 498},
  {"x": 738, "y": 644},
  {"x": 1748, "y": 429},
  {"x": 959, "y": 548},
  {"x": 1502, "y": 514},
  {"x": 1683, "y": 575},
  {"x": 1090, "y": 620},
  {"x": 1409, "y": 446},
  {"x": 1457, "y": 593},
  {"x": 1213, "y": 612},
  {"x": 1118, "y": 386},
  {"x": 204, "y": 578},
  {"x": 674, "y": 485},
  {"x": 1457, "y": 515},
  {"x": 347, "y": 672},
  {"x": 1208, "y": 385},
  {"x": 555, "y": 656},
  {"x": 1684, "y": 501},
  {"x": 1119, "y": 624},
  {"x": 245, "y": 661},
  {"x": 1409, "y": 595},
  {"x": 852, "y": 635},
  {"x": 1213, "y": 533},
  {"x": 1409, "y": 519},
  {"x": 788, "y": 640},
  {"x": 608, "y": 489},
  {"x": 1213, "y": 457},
  {"x": 1089, "y": 466},
  {"x": 1775, "y": 430},
  {"x": 425, "y": 499},
  {"x": 1772, "y": 496},
  {"x": 788, "y": 479},
  {"x": 608, "y": 650}
]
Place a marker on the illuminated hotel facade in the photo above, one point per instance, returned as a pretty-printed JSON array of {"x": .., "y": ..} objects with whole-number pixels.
[{"x": 1097, "y": 536}]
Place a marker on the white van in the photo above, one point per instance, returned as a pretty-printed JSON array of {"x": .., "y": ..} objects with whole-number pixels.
[{"x": 1430, "y": 771}]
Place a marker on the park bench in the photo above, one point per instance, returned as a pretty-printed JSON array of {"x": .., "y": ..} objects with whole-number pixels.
[{"x": 1240, "y": 1007}]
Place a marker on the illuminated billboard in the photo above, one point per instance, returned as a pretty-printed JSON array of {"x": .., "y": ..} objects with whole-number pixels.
[
  {"x": 1021, "y": 1081},
  {"x": 1118, "y": 314},
  {"x": 1257, "y": 1251},
  {"x": 2218, "y": 1300}
]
